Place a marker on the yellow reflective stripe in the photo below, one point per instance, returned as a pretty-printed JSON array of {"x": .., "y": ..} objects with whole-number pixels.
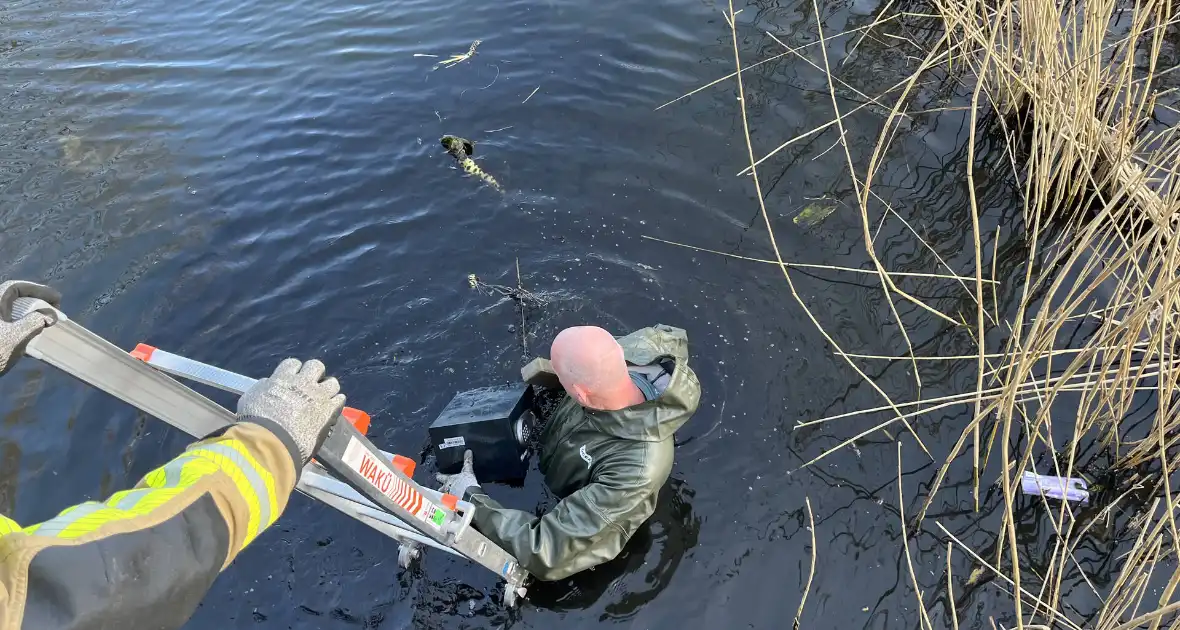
[
  {"x": 56, "y": 525},
  {"x": 261, "y": 497},
  {"x": 254, "y": 483},
  {"x": 267, "y": 480},
  {"x": 62, "y": 517},
  {"x": 128, "y": 499},
  {"x": 153, "y": 499},
  {"x": 84, "y": 523},
  {"x": 166, "y": 476},
  {"x": 7, "y": 525},
  {"x": 245, "y": 478},
  {"x": 87, "y": 517}
]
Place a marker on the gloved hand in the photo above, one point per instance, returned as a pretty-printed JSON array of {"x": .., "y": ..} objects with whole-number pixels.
[
  {"x": 297, "y": 401},
  {"x": 459, "y": 483},
  {"x": 15, "y": 335}
]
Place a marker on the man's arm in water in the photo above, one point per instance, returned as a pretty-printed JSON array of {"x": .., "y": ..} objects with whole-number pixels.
[{"x": 583, "y": 530}]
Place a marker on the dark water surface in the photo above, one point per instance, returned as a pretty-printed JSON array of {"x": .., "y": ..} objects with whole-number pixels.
[{"x": 243, "y": 180}]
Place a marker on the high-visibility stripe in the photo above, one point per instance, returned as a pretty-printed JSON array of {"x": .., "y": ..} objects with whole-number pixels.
[
  {"x": 268, "y": 480},
  {"x": 153, "y": 499},
  {"x": 167, "y": 476},
  {"x": 165, "y": 483},
  {"x": 125, "y": 500},
  {"x": 7, "y": 525},
  {"x": 128, "y": 499},
  {"x": 254, "y": 483},
  {"x": 87, "y": 517},
  {"x": 190, "y": 467},
  {"x": 247, "y": 480},
  {"x": 58, "y": 524},
  {"x": 80, "y": 524}
]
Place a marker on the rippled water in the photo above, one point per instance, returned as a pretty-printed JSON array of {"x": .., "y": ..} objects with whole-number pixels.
[{"x": 245, "y": 180}]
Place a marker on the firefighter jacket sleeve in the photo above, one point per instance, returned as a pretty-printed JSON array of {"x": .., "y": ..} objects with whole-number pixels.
[{"x": 145, "y": 557}]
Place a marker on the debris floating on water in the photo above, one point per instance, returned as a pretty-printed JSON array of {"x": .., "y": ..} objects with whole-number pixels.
[
  {"x": 457, "y": 59},
  {"x": 462, "y": 150},
  {"x": 1065, "y": 488},
  {"x": 813, "y": 213},
  {"x": 524, "y": 296}
]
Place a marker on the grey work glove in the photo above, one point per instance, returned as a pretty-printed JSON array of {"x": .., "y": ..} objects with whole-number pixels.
[
  {"x": 297, "y": 401},
  {"x": 459, "y": 483},
  {"x": 15, "y": 335}
]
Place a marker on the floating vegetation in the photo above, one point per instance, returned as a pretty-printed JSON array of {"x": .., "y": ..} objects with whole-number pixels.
[
  {"x": 462, "y": 149},
  {"x": 454, "y": 60},
  {"x": 516, "y": 294},
  {"x": 525, "y": 300},
  {"x": 814, "y": 213}
]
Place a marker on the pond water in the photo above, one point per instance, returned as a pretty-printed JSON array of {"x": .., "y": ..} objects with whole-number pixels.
[{"x": 244, "y": 180}]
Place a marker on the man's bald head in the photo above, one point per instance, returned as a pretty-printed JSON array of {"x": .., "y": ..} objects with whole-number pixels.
[{"x": 590, "y": 365}]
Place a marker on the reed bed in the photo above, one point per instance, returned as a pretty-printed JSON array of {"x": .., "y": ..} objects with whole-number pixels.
[{"x": 1078, "y": 375}]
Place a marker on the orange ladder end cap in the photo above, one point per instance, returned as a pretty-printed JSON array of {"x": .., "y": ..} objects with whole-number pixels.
[
  {"x": 357, "y": 418},
  {"x": 143, "y": 352},
  {"x": 405, "y": 464}
]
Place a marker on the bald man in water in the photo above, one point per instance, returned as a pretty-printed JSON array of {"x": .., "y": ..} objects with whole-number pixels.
[{"x": 606, "y": 449}]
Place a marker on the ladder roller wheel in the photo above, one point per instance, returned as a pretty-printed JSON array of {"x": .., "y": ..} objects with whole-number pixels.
[
  {"x": 407, "y": 554},
  {"x": 512, "y": 595}
]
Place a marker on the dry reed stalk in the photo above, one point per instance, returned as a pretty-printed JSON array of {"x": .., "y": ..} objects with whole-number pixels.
[
  {"x": 731, "y": 18},
  {"x": 811, "y": 571},
  {"x": 1070, "y": 70},
  {"x": 1073, "y": 83},
  {"x": 923, "y": 616},
  {"x": 900, "y": 274},
  {"x": 765, "y": 61},
  {"x": 950, "y": 590}
]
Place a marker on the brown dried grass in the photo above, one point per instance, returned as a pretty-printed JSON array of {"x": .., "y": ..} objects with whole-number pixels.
[{"x": 1072, "y": 84}]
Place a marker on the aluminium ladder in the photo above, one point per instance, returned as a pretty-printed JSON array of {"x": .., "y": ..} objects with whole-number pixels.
[{"x": 348, "y": 473}]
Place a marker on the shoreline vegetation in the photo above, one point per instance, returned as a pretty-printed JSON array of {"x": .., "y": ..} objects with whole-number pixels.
[{"x": 1075, "y": 373}]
